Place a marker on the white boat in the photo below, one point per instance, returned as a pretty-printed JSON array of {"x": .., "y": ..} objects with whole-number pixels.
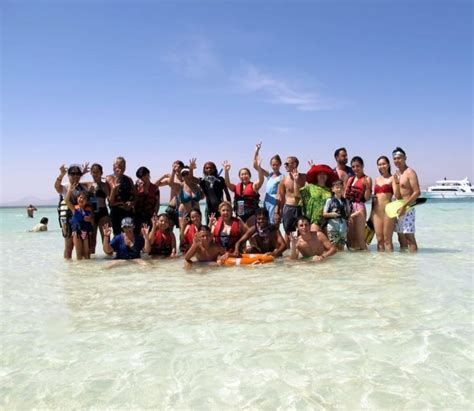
[{"x": 451, "y": 189}]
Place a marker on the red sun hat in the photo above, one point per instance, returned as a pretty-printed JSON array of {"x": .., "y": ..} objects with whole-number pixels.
[{"x": 311, "y": 175}]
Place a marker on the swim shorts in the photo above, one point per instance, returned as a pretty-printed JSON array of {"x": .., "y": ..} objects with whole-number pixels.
[
  {"x": 406, "y": 223},
  {"x": 290, "y": 215}
]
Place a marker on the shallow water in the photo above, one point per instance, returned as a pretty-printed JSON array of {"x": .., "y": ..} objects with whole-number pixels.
[{"x": 361, "y": 330}]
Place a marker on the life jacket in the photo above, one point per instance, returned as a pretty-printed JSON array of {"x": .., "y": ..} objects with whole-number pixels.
[
  {"x": 336, "y": 206},
  {"x": 163, "y": 244},
  {"x": 188, "y": 238},
  {"x": 234, "y": 232},
  {"x": 64, "y": 214},
  {"x": 248, "y": 195},
  {"x": 355, "y": 193}
]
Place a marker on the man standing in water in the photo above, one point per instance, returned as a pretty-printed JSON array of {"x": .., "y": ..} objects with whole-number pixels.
[
  {"x": 289, "y": 204},
  {"x": 30, "y": 210},
  {"x": 410, "y": 191},
  {"x": 342, "y": 169}
]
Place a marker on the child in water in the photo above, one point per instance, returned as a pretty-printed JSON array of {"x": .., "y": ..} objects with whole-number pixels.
[
  {"x": 127, "y": 245},
  {"x": 337, "y": 211},
  {"x": 204, "y": 248},
  {"x": 81, "y": 222},
  {"x": 161, "y": 237}
]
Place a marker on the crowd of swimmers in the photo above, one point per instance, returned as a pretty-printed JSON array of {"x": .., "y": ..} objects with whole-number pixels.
[{"x": 321, "y": 212}]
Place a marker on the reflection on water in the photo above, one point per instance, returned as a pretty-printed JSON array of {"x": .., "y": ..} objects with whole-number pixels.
[{"x": 363, "y": 330}]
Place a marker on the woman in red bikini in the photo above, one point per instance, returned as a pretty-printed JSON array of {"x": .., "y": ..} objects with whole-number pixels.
[{"x": 386, "y": 187}]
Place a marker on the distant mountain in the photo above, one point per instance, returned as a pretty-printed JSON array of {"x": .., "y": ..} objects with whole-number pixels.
[{"x": 30, "y": 200}]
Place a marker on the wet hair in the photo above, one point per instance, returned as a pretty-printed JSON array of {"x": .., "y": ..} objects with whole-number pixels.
[
  {"x": 179, "y": 163},
  {"x": 262, "y": 212},
  {"x": 97, "y": 165},
  {"x": 142, "y": 171},
  {"x": 209, "y": 164},
  {"x": 357, "y": 159},
  {"x": 399, "y": 150},
  {"x": 44, "y": 220},
  {"x": 248, "y": 171},
  {"x": 387, "y": 160},
  {"x": 277, "y": 158},
  {"x": 336, "y": 153},
  {"x": 74, "y": 168},
  {"x": 336, "y": 182},
  {"x": 224, "y": 204}
]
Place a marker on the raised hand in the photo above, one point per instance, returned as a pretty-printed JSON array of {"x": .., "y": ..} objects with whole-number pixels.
[
  {"x": 145, "y": 230},
  {"x": 107, "y": 230},
  {"x": 154, "y": 221},
  {"x": 295, "y": 174},
  {"x": 192, "y": 164},
  {"x": 63, "y": 169},
  {"x": 226, "y": 165},
  {"x": 212, "y": 219},
  {"x": 85, "y": 168},
  {"x": 311, "y": 163},
  {"x": 258, "y": 146}
]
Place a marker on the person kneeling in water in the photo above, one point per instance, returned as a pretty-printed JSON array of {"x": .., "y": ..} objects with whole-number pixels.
[
  {"x": 310, "y": 243},
  {"x": 264, "y": 238},
  {"x": 127, "y": 245},
  {"x": 204, "y": 248}
]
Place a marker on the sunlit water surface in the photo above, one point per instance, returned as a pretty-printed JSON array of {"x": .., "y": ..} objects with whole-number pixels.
[{"x": 361, "y": 330}]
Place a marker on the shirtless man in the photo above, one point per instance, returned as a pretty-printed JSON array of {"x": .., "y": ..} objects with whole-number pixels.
[
  {"x": 310, "y": 243},
  {"x": 264, "y": 238},
  {"x": 172, "y": 209},
  {"x": 342, "y": 169},
  {"x": 204, "y": 248},
  {"x": 289, "y": 204},
  {"x": 30, "y": 210},
  {"x": 409, "y": 191}
]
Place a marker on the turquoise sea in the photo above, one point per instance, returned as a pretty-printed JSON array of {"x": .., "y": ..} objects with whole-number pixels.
[{"x": 359, "y": 331}]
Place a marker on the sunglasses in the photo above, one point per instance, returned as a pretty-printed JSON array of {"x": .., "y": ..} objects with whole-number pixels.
[
  {"x": 185, "y": 174},
  {"x": 286, "y": 164}
]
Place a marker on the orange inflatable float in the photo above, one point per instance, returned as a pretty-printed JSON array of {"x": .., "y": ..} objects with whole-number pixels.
[{"x": 249, "y": 259}]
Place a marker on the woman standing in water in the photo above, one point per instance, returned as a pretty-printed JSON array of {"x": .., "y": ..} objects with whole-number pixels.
[
  {"x": 246, "y": 199},
  {"x": 189, "y": 194},
  {"x": 214, "y": 188},
  {"x": 99, "y": 191},
  {"x": 273, "y": 179},
  {"x": 358, "y": 191},
  {"x": 147, "y": 199},
  {"x": 122, "y": 195},
  {"x": 386, "y": 186}
]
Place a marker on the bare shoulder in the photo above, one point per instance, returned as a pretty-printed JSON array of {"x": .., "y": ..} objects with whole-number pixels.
[{"x": 321, "y": 236}]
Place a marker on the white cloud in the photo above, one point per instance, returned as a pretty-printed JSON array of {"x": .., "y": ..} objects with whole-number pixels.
[
  {"x": 192, "y": 56},
  {"x": 278, "y": 91}
]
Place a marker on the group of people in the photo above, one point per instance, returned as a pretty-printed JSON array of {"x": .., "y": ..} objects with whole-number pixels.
[{"x": 321, "y": 211}]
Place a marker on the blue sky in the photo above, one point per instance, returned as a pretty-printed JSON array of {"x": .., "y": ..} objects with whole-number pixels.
[{"x": 158, "y": 81}]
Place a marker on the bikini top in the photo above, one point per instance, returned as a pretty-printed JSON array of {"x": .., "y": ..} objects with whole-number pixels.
[
  {"x": 384, "y": 188},
  {"x": 184, "y": 197}
]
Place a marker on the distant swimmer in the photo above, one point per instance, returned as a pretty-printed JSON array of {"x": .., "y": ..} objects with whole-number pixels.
[
  {"x": 310, "y": 243},
  {"x": 30, "y": 210},
  {"x": 42, "y": 226},
  {"x": 409, "y": 191}
]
